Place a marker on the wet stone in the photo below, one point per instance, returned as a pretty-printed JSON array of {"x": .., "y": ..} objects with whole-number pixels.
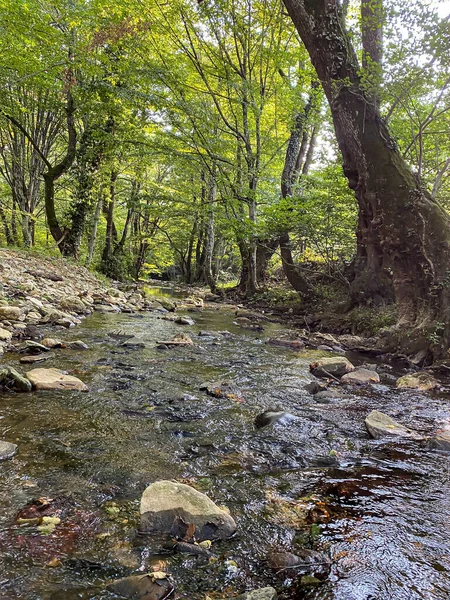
[
  {"x": 378, "y": 425},
  {"x": 7, "y": 450},
  {"x": 441, "y": 441},
  {"x": 267, "y": 593},
  {"x": 361, "y": 377},
  {"x": 167, "y": 507},
  {"x": 142, "y": 587},
  {"x": 417, "y": 381},
  {"x": 336, "y": 366},
  {"x": 53, "y": 379}
]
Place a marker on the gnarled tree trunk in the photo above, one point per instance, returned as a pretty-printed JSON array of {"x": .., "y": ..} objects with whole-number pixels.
[{"x": 413, "y": 229}]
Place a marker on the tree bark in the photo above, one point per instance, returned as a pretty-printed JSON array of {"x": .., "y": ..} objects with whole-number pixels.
[{"x": 414, "y": 230}]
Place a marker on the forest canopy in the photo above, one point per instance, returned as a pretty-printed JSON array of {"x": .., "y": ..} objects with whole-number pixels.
[{"x": 217, "y": 142}]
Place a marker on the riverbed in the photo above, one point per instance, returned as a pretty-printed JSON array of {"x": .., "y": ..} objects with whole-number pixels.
[{"x": 378, "y": 508}]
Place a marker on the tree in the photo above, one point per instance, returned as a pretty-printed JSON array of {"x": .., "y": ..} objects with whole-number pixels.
[{"x": 413, "y": 228}]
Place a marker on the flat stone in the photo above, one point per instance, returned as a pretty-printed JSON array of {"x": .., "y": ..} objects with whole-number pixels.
[
  {"x": 5, "y": 335},
  {"x": 293, "y": 344},
  {"x": 267, "y": 593},
  {"x": 141, "y": 587},
  {"x": 76, "y": 345},
  {"x": 166, "y": 504},
  {"x": 106, "y": 308},
  {"x": 10, "y": 312},
  {"x": 417, "y": 381},
  {"x": 52, "y": 343},
  {"x": 184, "y": 321},
  {"x": 337, "y": 366},
  {"x": 378, "y": 425},
  {"x": 53, "y": 379},
  {"x": 7, "y": 450},
  {"x": 31, "y": 359},
  {"x": 361, "y": 377}
]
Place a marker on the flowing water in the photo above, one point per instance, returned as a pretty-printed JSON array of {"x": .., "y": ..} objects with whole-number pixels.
[{"x": 378, "y": 508}]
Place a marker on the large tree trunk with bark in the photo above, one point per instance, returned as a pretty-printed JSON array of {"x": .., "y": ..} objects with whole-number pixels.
[{"x": 414, "y": 230}]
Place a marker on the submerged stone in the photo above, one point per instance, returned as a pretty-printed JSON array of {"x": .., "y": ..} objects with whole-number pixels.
[
  {"x": 378, "y": 425},
  {"x": 142, "y": 587}
]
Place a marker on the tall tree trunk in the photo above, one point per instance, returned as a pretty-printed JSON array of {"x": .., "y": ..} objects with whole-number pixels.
[
  {"x": 210, "y": 235},
  {"x": 93, "y": 235},
  {"x": 109, "y": 237},
  {"x": 413, "y": 229},
  {"x": 6, "y": 228},
  {"x": 265, "y": 249}
]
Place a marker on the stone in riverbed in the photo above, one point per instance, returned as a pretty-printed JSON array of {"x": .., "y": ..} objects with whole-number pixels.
[
  {"x": 166, "y": 504},
  {"x": 31, "y": 359},
  {"x": 141, "y": 587},
  {"x": 441, "y": 441},
  {"x": 417, "y": 381},
  {"x": 76, "y": 345},
  {"x": 361, "y": 377},
  {"x": 184, "y": 321},
  {"x": 73, "y": 304},
  {"x": 7, "y": 450},
  {"x": 53, "y": 379},
  {"x": 5, "y": 335},
  {"x": 378, "y": 425},
  {"x": 12, "y": 313},
  {"x": 304, "y": 561},
  {"x": 267, "y": 593},
  {"x": 12, "y": 379},
  {"x": 337, "y": 366}
]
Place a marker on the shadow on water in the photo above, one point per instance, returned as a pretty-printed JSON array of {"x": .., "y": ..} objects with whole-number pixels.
[{"x": 379, "y": 508}]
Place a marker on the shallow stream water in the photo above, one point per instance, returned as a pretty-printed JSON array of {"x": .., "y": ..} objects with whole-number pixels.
[{"x": 379, "y": 508}]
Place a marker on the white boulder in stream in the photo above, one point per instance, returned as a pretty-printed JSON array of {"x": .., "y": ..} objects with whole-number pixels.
[
  {"x": 7, "y": 450},
  {"x": 166, "y": 505},
  {"x": 54, "y": 379},
  {"x": 378, "y": 425}
]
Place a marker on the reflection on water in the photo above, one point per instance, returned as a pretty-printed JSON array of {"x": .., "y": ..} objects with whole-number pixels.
[{"x": 379, "y": 508}]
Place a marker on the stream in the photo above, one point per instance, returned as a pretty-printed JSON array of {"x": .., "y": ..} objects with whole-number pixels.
[{"x": 378, "y": 508}]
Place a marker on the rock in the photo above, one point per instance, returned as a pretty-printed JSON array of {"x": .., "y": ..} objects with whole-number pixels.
[
  {"x": 76, "y": 345},
  {"x": 323, "y": 338},
  {"x": 304, "y": 561},
  {"x": 337, "y": 366},
  {"x": 12, "y": 313},
  {"x": 417, "y": 381},
  {"x": 7, "y": 450},
  {"x": 142, "y": 587},
  {"x": 132, "y": 345},
  {"x": 182, "y": 337},
  {"x": 441, "y": 441},
  {"x": 5, "y": 335},
  {"x": 378, "y": 425},
  {"x": 31, "y": 359},
  {"x": 165, "y": 503},
  {"x": 33, "y": 316},
  {"x": 361, "y": 377},
  {"x": 294, "y": 344},
  {"x": 52, "y": 343},
  {"x": 247, "y": 324},
  {"x": 211, "y": 334},
  {"x": 184, "y": 321},
  {"x": 268, "y": 417},
  {"x": 222, "y": 389},
  {"x": 106, "y": 308},
  {"x": 315, "y": 387},
  {"x": 65, "y": 322},
  {"x": 267, "y": 593},
  {"x": 166, "y": 303},
  {"x": 328, "y": 394},
  {"x": 12, "y": 379},
  {"x": 73, "y": 304},
  {"x": 31, "y": 347},
  {"x": 53, "y": 379}
]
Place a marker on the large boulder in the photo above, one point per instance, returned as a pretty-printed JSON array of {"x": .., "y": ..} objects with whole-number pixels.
[
  {"x": 337, "y": 366},
  {"x": 54, "y": 379},
  {"x": 11, "y": 313},
  {"x": 164, "y": 504},
  {"x": 361, "y": 377},
  {"x": 7, "y": 450},
  {"x": 417, "y": 381},
  {"x": 378, "y": 425}
]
